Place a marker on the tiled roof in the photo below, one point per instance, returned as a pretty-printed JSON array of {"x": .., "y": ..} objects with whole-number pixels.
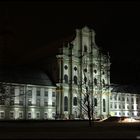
[
  {"x": 24, "y": 75},
  {"x": 126, "y": 88}
]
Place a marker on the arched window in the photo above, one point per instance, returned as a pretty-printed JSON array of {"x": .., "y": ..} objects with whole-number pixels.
[
  {"x": 85, "y": 79},
  {"x": 103, "y": 82},
  {"x": 75, "y": 101},
  {"x": 95, "y": 81},
  {"x": 85, "y": 48},
  {"x": 95, "y": 102},
  {"x": 66, "y": 78},
  {"x": 95, "y": 71},
  {"x": 104, "y": 105},
  {"x": 65, "y": 103},
  {"x": 75, "y": 80}
]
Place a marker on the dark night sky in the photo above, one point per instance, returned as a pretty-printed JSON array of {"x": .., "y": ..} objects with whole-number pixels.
[{"x": 28, "y": 27}]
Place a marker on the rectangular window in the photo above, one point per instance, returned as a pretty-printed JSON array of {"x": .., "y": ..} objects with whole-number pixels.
[
  {"x": 53, "y": 94},
  {"x": 46, "y": 93},
  {"x": 38, "y": 102},
  {"x": 21, "y": 91},
  {"x": 104, "y": 106},
  {"x": 45, "y": 103},
  {"x": 20, "y": 115},
  {"x": 53, "y": 104},
  {"x": 53, "y": 115},
  {"x": 38, "y": 115},
  {"x": 11, "y": 101},
  {"x": 2, "y": 115},
  {"x": 2, "y": 102},
  {"x": 21, "y": 102},
  {"x": 29, "y": 102},
  {"x": 29, "y": 115},
  {"x": 38, "y": 92},
  {"x": 29, "y": 93},
  {"x": 12, "y": 90},
  {"x": 137, "y": 100},
  {"x": 45, "y": 115},
  {"x": 111, "y": 105},
  {"x": 11, "y": 115},
  {"x": 132, "y": 100}
]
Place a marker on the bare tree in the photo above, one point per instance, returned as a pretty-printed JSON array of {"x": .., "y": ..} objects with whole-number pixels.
[{"x": 86, "y": 102}]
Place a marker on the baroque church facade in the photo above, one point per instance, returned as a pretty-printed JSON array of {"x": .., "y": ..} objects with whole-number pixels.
[{"x": 79, "y": 68}]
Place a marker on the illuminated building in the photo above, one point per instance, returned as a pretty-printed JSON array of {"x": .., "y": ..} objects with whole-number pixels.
[{"x": 77, "y": 61}]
